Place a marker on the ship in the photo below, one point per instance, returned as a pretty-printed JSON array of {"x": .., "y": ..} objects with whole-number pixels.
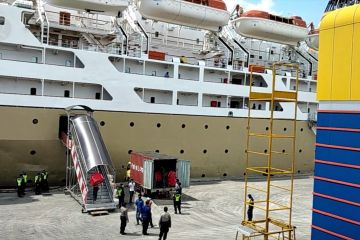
[{"x": 169, "y": 76}]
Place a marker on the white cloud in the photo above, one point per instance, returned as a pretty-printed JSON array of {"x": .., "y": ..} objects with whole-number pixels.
[{"x": 263, "y": 5}]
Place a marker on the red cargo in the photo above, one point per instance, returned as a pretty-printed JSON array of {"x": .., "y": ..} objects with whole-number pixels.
[
  {"x": 257, "y": 68},
  {"x": 96, "y": 178},
  {"x": 157, "y": 55},
  {"x": 150, "y": 170}
]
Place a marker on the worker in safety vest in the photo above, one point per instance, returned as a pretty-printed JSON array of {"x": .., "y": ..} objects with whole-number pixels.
[
  {"x": 44, "y": 180},
  {"x": 177, "y": 202},
  {"x": 120, "y": 194},
  {"x": 19, "y": 182},
  {"x": 24, "y": 182},
  {"x": 127, "y": 178},
  {"x": 37, "y": 182}
]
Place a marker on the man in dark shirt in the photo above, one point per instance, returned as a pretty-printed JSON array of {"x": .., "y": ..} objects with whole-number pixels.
[{"x": 251, "y": 208}]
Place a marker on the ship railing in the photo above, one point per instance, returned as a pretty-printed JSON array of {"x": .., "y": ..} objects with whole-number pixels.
[{"x": 102, "y": 26}]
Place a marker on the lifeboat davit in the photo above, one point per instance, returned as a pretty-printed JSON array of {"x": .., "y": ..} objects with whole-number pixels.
[
  {"x": 105, "y": 7},
  {"x": 312, "y": 39},
  {"x": 265, "y": 26},
  {"x": 204, "y": 14}
]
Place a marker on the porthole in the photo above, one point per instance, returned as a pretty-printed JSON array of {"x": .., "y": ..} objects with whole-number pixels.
[
  {"x": 299, "y": 171},
  {"x": 205, "y": 151},
  {"x": 183, "y": 125},
  {"x": 35, "y": 121},
  {"x": 32, "y": 152},
  {"x": 130, "y": 151},
  {"x": 227, "y": 127},
  {"x": 225, "y": 174},
  {"x": 300, "y": 151},
  {"x": 226, "y": 150},
  {"x": 102, "y": 123},
  {"x": 132, "y": 124},
  {"x": 301, "y": 130},
  {"x": 157, "y": 150},
  {"x": 158, "y": 125},
  {"x": 285, "y": 129},
  {"x": 182, "y": 151},
  {"x": 203, "y": 175},
  {"x": 267, "y": 128},
  {"x": 265, "y": 151},
  {"x": 283, "y": 151},
  {"x": 206, "y": 126}
]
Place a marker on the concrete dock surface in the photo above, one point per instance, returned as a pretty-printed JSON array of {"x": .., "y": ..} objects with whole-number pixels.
[{"x": 213, "y": 211}]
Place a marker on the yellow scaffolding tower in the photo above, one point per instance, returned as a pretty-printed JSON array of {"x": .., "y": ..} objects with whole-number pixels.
[{"x": 275, "y": 219}]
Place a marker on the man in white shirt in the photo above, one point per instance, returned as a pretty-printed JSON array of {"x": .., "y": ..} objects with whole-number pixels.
[
  {"x": 131, "y": 190},
  {"x": 164, "y": 224}
]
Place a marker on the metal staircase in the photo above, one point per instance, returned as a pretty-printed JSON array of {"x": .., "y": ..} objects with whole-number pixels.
[
  {"x": 44, "y": 21},
  {"x": 87, "y": 155}
]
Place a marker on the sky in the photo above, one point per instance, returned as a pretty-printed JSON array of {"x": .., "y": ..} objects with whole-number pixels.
[{"x": 309, "y": 10}]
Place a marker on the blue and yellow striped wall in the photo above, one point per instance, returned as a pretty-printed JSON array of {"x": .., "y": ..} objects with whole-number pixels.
[{"x": 336, "y": 205}]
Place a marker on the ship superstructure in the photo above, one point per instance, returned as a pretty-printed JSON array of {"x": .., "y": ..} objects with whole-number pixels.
[{"x": 158, "y": 77}]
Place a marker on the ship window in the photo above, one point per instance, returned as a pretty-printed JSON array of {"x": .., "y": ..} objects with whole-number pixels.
[
  {"x": 260, "y": 57},
  {"x": 97, "y": 95},
  {"x": 66, "y": 93},
  {"x": 35, "y": 59},
  {"x": 32, "y": 91},
  {"x": 2, "y": 20},
  {"x": 156, "y": 34},
  {"x": 152, "y": 100},
  {"x": 252, "y": 56}
]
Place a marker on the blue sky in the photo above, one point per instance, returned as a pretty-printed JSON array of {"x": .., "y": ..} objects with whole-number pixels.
[{"x": 310, "y": 10}]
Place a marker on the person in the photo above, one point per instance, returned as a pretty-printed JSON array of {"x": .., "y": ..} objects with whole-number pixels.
[
  {"x": 25, "y": 179},
  {"x": 251, "y": 208},
  {"x": 139, "y": 203},
  {"x": 95, "y": 192},
  {"x": 177, "y": 203},
  {"x": 131, "y": 190},
  {"x": 151, "y": 222},
  {"x": 44, "y": 180},
  {"x": 146, "y": 215},
  {"x": 120, "y": 193},
  {"x": 167, "y": 75},
  {"x": 19, "y": 184},
  {"x": 37, "y": 182},
  {"x": 128, "y": 170},
  {"x": 164, "y": 224},
  {"x": 178, "y": 187},
  {"x": 183, "y": 59},
  {"x": 123, "y": 218}
]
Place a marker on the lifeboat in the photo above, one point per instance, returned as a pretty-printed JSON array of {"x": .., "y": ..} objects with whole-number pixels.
[
  {"x": 105, "y": 7},
  {"x": 265, "y": 26},
  {"x": 204, "y": 14}
]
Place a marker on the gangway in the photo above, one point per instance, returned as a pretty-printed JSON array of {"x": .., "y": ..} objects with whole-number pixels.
[{"x": 87, "y": 154}]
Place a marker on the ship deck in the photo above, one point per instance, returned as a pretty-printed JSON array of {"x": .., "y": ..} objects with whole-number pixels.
[{"x": 213, "y": 210}]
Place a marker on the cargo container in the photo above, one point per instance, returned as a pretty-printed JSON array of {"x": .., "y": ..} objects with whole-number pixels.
[{"x": 154, "y": 172}]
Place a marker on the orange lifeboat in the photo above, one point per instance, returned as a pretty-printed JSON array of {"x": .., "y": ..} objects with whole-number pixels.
[
  {"x": 265, "y": 26},
  {"x": 204, "y": 14}
]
